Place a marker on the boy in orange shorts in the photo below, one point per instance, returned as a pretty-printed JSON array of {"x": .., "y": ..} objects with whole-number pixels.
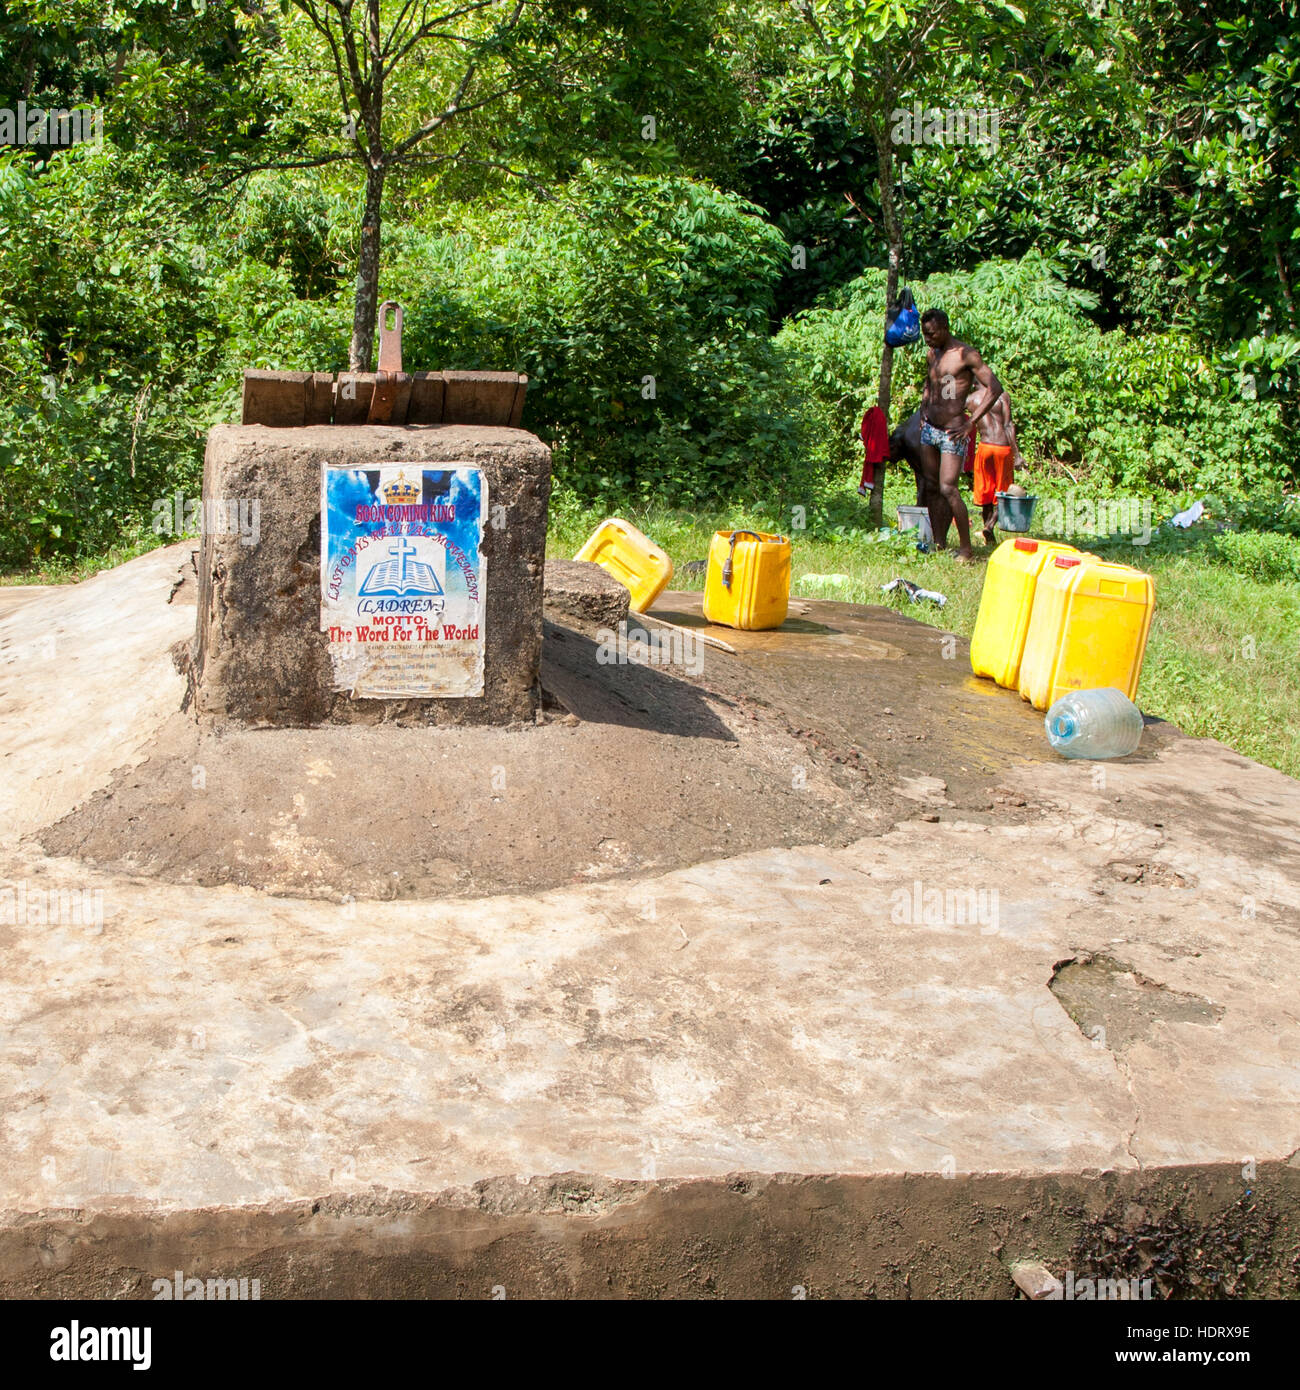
[{"x": 997, "y": 455}]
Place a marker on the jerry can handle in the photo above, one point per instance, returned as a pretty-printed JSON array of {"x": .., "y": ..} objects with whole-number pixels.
[{"x": 731, "y": 554}]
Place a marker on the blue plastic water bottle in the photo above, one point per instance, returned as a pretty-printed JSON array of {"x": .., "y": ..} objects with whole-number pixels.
[{"x": 1094, "y": 724}]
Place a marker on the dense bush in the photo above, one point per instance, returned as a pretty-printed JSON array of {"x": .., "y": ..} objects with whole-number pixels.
[
  {"x": 1266, "y": 555},
  {"x": 126, "y": 329},
  {"x": 639, "y": 308},
  {"x": 1146, "y": 411},
  {"x": 125, "y": 338},
  {"x": 110, "y": 337}
]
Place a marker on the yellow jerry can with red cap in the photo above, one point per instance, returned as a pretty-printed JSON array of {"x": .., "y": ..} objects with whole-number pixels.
[
  {"x": 1006, "y": 602},
  {"x": 1088, "y": 629},
  {"x": 747, "y": 584},
  {"x": 632, "y": 558}
]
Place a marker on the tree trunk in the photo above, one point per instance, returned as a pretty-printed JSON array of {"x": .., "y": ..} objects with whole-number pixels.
[
  {"x": 885, "y": 163},
  {"x": 366, "y": 305},
  {"x": 885, "y": 167},
  {"x": 1285, "y": 281}
]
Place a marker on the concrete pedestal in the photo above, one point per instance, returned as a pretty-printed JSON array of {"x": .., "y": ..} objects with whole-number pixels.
[{"x": 259, "y": 656}]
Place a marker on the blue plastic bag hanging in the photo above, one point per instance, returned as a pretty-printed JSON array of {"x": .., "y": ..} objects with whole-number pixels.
[{"x": 902, "y": 322}]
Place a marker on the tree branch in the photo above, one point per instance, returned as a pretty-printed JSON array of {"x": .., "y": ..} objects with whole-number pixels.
[
  {"x": 247, "y": 170},
  {"x": 309, "y": 9},
  {"x": 453, "y": 109},
  {"x": 428, "y": 28}
]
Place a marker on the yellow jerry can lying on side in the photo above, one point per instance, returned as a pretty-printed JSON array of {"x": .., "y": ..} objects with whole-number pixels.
[
  {"x": 1005, "y": 605},
  {"x": 747, "y": 585},
  {"x": 632, "y": 558},
  {"x": 1088, "y": 629}
]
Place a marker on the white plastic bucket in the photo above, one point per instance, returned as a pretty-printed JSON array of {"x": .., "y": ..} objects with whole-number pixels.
[{"x": 915, "y": 519}]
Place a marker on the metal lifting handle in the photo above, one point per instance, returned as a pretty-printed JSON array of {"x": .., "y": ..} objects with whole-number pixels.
[
  {"x": 390, "y": 339},
  {"x": 389, "y": 374}
]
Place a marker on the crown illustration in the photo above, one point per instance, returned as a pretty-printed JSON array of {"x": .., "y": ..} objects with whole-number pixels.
[{"x": 401, "y": 493}]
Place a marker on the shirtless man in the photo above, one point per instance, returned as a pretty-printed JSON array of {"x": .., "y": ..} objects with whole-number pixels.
[
  {"x": 997, "y": 455},
  {"x": 954, "y": 368}
]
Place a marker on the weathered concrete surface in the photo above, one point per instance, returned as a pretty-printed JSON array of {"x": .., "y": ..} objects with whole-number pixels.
[
  {"x": 260, "y": 658},
  {"x": 13, "y": 595},
  {"x": 58, "y": 747},
  {"x": 579, "y": 589},
  {"x": 340, "y": 1094}
]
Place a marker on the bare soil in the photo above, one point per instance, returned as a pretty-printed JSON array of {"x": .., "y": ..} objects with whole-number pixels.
[{"x": 838, "y": 725}]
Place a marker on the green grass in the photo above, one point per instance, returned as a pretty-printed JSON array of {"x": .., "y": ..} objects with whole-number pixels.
[
  {"x": 64, "y": 570},
  {"x": 1223, "y": 659}
]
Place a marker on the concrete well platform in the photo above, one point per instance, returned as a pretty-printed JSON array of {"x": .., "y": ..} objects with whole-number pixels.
[{"x": 1034, "y": 1012}]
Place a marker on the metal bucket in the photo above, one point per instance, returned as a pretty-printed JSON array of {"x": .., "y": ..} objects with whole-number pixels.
[
  {"x": 915, "y": 519},
  {"x": 1015, "y": 513}
]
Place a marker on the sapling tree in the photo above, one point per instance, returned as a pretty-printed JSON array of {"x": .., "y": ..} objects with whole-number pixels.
[
  {"x": 885, "y": 56},
  {"x": 503, "y": 85}
]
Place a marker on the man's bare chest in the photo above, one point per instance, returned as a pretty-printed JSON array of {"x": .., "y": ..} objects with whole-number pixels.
[
  {"x": 948, "y": 367},
  {"x": 950, "y": 378}
]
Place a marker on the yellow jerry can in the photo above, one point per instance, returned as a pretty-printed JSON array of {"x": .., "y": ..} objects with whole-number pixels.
[
  {"x": 748, "y": 580},
  {"x": 1088, "y": 629},
  {"x": 632, "y": 558},
  {"x": 1005, "y": 605}
]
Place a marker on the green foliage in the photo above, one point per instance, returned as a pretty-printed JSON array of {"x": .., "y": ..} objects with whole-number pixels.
[
  {"x": 132, "y": 304},
  {"x": 108, "y": 335},
  {"x": 1238, "y": 199},
  {"x": 639, "y": 308},
  {"x": 1264, "y": 555},
  {"x": 286, "y": 223},
  {"x": 1143, "y": 411}
]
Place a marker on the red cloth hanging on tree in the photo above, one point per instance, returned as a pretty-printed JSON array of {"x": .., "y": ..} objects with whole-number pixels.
[{"x": 875, "y": 445}]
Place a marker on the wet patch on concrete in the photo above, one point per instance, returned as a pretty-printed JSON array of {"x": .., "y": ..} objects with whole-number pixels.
[{"x": 1115, "y": 1005}]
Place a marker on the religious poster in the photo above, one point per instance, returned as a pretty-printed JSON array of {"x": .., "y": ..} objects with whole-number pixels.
[{"x": 402, "y": 579}]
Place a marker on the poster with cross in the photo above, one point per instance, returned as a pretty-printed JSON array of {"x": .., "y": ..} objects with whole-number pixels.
[{"x": 402, "y": 579}]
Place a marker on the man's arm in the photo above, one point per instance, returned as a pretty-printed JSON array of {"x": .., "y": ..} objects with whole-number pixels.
[
  {"x": 1009, "y": 424},
  {"x": 983, "y": 373}
]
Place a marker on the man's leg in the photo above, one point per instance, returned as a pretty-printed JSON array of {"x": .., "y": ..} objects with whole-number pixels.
[
  {"x": 949, "y": 472},
  {"x": 990, "y": 512},
  {"x": 934, "y": 502}
]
